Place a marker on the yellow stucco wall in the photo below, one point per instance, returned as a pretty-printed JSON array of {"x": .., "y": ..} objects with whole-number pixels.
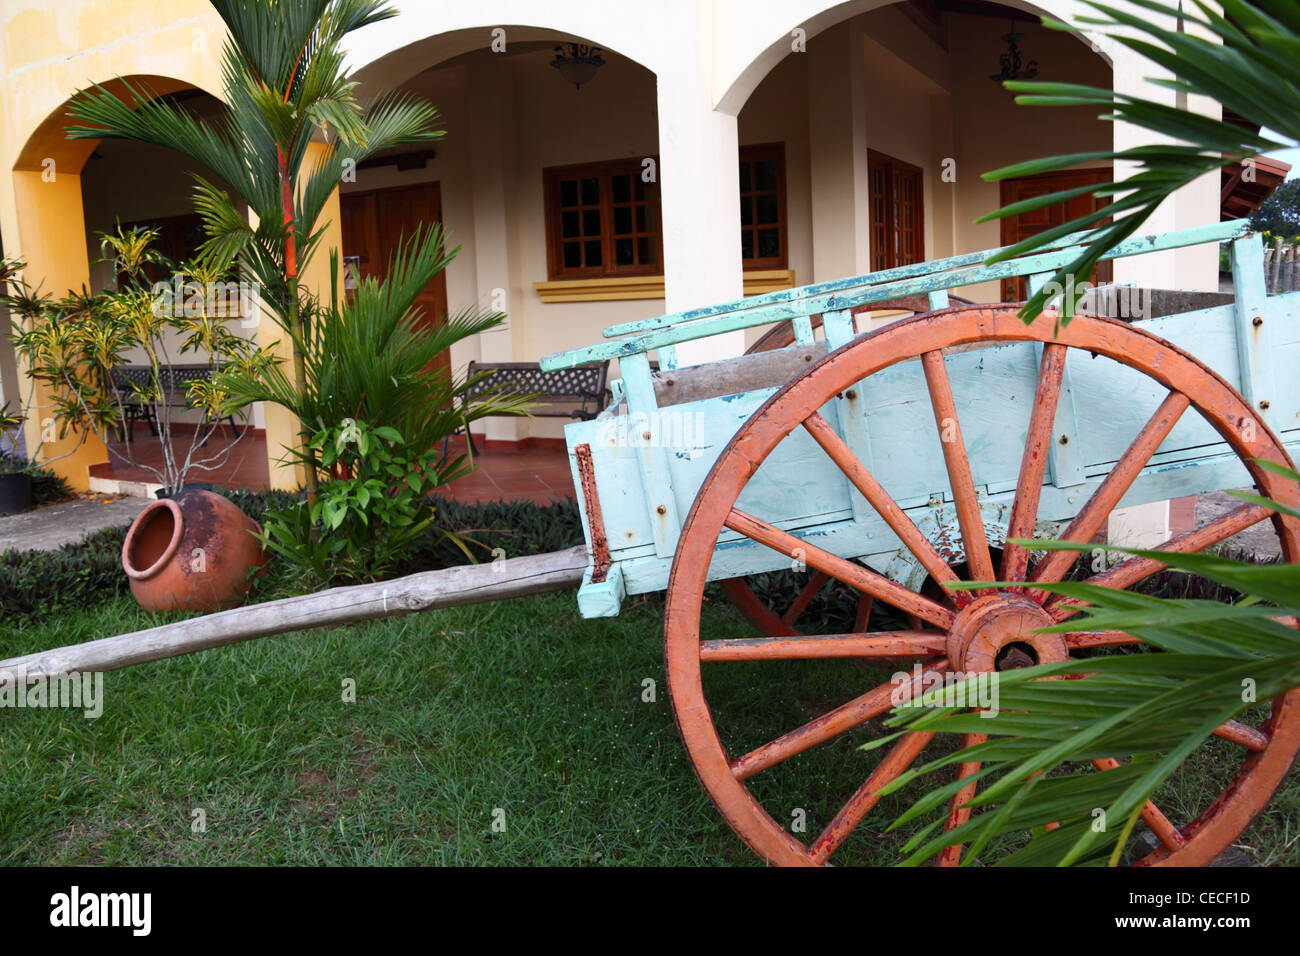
[{"x": 47, "y": 53}]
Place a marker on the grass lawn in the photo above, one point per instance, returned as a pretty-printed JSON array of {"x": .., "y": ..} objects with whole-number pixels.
[{"x": 517, "y": 706}]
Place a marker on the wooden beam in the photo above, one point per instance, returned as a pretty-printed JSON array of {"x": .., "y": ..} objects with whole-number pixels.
[
  {"x": 450, "y": 587},
  {"x": 732, "y": 376}
]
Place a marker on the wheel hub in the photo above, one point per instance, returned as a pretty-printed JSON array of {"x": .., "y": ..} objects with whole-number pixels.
[{"x": 995, "y": 632}]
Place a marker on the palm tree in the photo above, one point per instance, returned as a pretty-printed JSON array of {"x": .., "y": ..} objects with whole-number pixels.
[
  {"x": 1247, "y": 58},
  {"x": 284, "y": 85}
]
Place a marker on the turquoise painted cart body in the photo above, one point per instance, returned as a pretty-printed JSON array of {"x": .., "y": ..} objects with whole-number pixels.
[{"x": 639, "y": 465}]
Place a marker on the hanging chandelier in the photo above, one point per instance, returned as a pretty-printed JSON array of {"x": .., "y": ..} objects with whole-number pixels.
[
  {"x": 1011, "y": 62},
  {"x": 577, "y": 62}
]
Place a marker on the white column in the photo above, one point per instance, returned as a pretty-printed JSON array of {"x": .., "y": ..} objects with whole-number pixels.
[
  {"x": 1195, "y": 205},
  {"x": 699, "y": 184},
  {"x": 1192, "y": 269},
  {"x": 837, "y": 123},
  {"x": 490, "y": 94}
]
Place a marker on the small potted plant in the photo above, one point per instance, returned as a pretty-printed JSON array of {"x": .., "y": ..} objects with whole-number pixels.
[{"x": 81, "y": 347}]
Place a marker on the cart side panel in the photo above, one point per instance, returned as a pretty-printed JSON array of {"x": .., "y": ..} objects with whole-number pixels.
[{"x": 797, "y": 486}]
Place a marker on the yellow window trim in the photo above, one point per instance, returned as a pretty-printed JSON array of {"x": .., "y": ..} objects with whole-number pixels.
[{"x": 757, "y": 282}]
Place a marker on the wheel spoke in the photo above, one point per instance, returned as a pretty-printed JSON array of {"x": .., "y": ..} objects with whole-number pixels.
[
  {"x": 1033, "y": 465},
  {"x": 1084, "y": 639},
  {"x": 883, "y": 503},
  {"x": 1108, "y": 494},
  {"x": 900, "y": 757},
  {"x": 830, "y": 724},
  {"x": 1239, "y": 733},
  {"x": 815, "y": 584},
  {"x": 863, "y": 615},
  {"x": 854, "y": 575},
  {"x": 1130, "y": 572},
  {"x": 1155, "y": 820},
  {"x": 883, "y": 644},
  {"x": 958, "y": 813},
  {"x": 969, "y": 518}
]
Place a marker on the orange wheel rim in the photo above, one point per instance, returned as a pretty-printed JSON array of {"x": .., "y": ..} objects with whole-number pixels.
[{"x": 1269, "y": 750}]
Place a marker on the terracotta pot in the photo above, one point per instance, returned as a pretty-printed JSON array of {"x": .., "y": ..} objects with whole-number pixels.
[{"x": 191, "y": 553}]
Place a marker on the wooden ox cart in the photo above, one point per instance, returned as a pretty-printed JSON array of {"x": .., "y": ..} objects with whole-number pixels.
[
  {"x": 891, "y": 461},
  {"x": 883, "y": 464}
]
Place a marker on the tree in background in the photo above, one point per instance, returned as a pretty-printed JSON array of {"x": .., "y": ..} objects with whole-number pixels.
[{"x": 1279, "y": 215}]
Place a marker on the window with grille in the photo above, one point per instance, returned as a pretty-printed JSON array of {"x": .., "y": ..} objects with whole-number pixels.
[
  {"x": 897, "y": 212},
  {"x": 602, "y": 220},
  {"x": 762, "y": 207}
]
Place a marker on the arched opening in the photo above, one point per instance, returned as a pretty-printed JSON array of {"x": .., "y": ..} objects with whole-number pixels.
[
  {"x": 550, "y": 191},
  {"x": 885, "y": 120},
  {"x": 70, "y": 192},
  {"x": 888, "y": 114}
]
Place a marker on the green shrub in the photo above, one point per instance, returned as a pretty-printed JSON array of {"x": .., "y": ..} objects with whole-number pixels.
[
  {"x": 36, "y": 583},
  {"x": 47, "y": 487},
  {"x": 367, "y": 520}
]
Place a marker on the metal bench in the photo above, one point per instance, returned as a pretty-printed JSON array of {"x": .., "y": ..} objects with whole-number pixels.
[
  {"x": 130, "y": 380},
  {"x": 574, "y": 393}
]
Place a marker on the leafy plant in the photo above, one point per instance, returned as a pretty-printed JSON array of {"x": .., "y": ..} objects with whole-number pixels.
[
  {"x": 74, "y": 577},
  {"x": 1245, "y": 58},
  {"x": 77, "y": 345},
  {"x": 368, "y": 518},
  {"x": 1147, "y": 711},
  {"x": 285, "y": 87},
  {"x": 369, "y": 357}
]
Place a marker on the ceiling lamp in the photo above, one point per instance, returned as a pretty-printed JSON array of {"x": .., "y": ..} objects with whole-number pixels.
[
  {"x": 577, "y": 62},
  {"x": 1012, "y": 64}
]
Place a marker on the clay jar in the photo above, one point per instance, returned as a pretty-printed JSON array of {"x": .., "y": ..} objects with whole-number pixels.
[{"x": 191, "y": 553}]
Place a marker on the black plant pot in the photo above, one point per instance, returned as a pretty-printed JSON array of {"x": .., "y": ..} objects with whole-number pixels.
[
  {"x": 188, "y": 486},
  {"x": 15, "y": 493}
]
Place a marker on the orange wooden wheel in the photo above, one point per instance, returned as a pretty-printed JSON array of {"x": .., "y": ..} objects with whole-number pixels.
[{"x": 975, "y": 630}]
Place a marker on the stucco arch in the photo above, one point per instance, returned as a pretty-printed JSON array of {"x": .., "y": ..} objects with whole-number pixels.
[
  {"x": 49, "y": 139},
  {"x": 749, "y": 48},
  {"x": 172, "y": 44},
  {"x": 385, "y": 54}
]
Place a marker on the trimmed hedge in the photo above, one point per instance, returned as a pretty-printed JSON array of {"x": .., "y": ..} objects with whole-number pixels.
[{"x": 34, "y": 583}]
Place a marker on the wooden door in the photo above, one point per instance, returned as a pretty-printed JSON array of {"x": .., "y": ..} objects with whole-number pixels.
[
  {"x": 897, "y": 212},
  {"x": 1032, "y": 223},
  {"x": 376, "y": 222}
]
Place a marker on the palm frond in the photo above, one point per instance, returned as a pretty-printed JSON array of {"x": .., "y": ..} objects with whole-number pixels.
[
  {"x": 1148, "y": 711},
  {"x": 1231, "y": 57}
]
